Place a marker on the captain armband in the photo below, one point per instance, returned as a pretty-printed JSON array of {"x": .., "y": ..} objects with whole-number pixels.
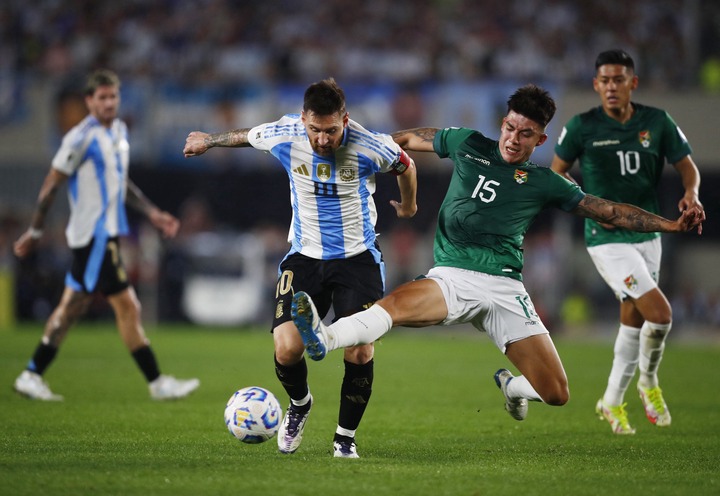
[{"x": 401, "y": 164}]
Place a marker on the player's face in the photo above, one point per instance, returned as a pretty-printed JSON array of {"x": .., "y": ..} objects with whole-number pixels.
[
  {"x": 104, "y": 104},
  {"x": 325, "y": 132},
  {"x": 614, "y": 83},
  {"x": 518, "y": 138}
]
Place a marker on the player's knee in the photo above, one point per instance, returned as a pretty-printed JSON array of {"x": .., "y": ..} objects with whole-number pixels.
[
  {"x": 288, "y": 356},
  {"x": 359, "y": 355},
  {"x": 558, "y": 394},
  {"x": 288, "y": 352}
]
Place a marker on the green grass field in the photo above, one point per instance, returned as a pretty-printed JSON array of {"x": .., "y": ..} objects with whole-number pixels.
[{"x": 435, "y": 424}]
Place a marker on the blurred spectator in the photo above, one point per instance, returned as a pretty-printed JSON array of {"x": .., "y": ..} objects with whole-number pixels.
[{"x": 195, "y": 42}]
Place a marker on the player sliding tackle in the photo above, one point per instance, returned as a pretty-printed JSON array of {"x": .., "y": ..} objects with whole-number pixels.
[{"x": 494, "y": 195}]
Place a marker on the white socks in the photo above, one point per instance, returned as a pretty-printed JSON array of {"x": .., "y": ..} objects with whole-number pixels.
[
  {"x": 635, "y": 346},
  {"x": 625, "y": 361},
  {"x": 519, "y": 387},
  {"x": 361, "y": 328},
  {"x": 345, "y": 432},
  {"x": 652, "y": 344}
]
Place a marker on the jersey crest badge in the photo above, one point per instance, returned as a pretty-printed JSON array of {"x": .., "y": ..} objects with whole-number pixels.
[
  {"x": 324, "y": 171},
  {"x": 520, "y": 177},
  {"x": 644, "y": 138},
  {"x": 347, "y": 174},
  {"x": 630, "y": 282}
]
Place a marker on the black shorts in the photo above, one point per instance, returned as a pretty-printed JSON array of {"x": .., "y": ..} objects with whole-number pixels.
[
  {"x": 98, "y": 267},
  {"x": 349, "y": 285}
]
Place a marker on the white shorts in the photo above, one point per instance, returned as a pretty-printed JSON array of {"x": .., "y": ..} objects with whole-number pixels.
[
  {"x": 630, "y": 269},
  {"x": 497, "y": 305}
]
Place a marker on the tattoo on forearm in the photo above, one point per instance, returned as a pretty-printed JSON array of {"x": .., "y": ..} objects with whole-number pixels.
[
  {"x": 620, "y": 214},
  {"x": 425, "y": 133},
  {"x": 236, "y": 137},
  {"x": 45, "y": 201}
]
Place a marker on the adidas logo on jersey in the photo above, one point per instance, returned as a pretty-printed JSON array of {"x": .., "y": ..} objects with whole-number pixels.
[{"x": 302, "y": 170}]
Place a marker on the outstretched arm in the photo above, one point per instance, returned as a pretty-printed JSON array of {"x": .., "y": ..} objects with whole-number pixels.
[
  {"x": 636, "y": 219},
  {"x": 419, "y": 139},
  {"x": 163, "y": 221},
  {"x": 27, "y": 241},
  {"x": 198, "y": 142}
]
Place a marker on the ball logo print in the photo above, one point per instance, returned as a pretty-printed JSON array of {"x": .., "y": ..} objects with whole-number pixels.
[{"x": 253, "y": 415}]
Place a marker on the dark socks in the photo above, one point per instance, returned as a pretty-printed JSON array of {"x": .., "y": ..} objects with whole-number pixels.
[
  {"x": 145, "y": 359},
  {"x": 294, "y": 379},
  {"x": 355, "y": 394},
  {"x": 42, "y": 358}
]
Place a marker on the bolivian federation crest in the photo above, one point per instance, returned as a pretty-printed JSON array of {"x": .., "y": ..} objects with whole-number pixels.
[
  {"x": 644, "y": 138},
  {"x": 521, "y": 177},
  {"x": 630, "y": 282},
  {"x": 324, "y": 171}
]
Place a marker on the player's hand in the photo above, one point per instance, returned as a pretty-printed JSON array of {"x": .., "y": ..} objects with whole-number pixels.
[
  {"x": 690, "y": 200},
  {"x": 24, "y": 245},
  {"x": 195, "y": 144},
  {"x": 690, "y": 219},
  {"x": 166, "y": 223},
  {"x": 403, "y": 211}
]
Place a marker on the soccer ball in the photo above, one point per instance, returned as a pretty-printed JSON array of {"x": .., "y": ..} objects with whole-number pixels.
[{"x": 253, "y": 415}]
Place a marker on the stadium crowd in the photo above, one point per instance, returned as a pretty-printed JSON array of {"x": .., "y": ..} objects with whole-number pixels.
[
  {"x": 212, "y": 42},
  {"x": 200, "y": 41}
]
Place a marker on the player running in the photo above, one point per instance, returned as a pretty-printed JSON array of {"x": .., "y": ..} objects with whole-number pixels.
[{"x": 622, "y": 147}]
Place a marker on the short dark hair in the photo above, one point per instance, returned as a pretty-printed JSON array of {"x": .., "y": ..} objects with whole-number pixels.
[
  {"x": 534, "y": 103},
  {"x": 324, "y": 98},
  {"x": 615, "y": 57},
  {"x": 101, "y": 77}
]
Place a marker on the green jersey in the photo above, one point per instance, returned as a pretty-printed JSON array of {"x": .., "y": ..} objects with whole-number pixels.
[
  {"x": 622, "y": 162},
  {"x": 490, "y": 204}
]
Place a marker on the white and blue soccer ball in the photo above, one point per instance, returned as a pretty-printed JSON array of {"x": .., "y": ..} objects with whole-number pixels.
[{"x": 253, "y": 415}]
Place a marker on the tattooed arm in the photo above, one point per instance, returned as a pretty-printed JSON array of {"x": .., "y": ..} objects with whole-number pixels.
[
  {"x": 198, "y": 142},
  {"x": 27, "y": 241},
  {"x": 419, "y": 139},
  {"x": 636, "y": 219}
]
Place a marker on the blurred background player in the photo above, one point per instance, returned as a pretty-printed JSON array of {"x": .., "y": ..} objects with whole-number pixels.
[
  {"x": 330, "y": 161},
  {"x": 622, "y": 147},
  {"x": 494, "y": 195},
  {"x": 93, "y": 159}
]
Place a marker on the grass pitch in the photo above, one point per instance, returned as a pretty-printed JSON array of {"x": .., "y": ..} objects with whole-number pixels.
[{"x": 435, "y": 424}]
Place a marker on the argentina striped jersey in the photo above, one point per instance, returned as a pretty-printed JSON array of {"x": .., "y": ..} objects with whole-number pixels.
[
  {"x": 96, "y": 160},
  {"x": 333, "y": 212}
]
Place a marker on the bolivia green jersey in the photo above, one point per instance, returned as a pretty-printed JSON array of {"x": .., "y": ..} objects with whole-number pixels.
[
  {"x": 490, "y": 204},
  {"x": 622, "y": 162}
]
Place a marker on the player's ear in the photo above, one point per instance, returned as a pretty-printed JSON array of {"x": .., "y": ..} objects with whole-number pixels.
[
  {"x": 542, "y": 139},
  {"x": 346, "y": 119}
]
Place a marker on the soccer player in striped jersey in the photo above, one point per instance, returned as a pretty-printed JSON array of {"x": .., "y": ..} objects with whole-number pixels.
[
  {"x": 331, "y": 163},
  {"x": 494, "y": 195},
  {"x": 622, "y": 147},
  {"x": 93, "y": 161}
]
